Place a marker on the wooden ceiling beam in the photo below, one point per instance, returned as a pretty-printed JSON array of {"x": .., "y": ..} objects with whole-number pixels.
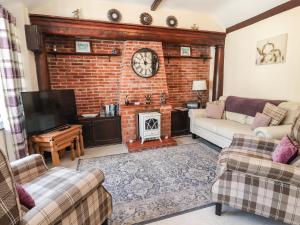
[{"x": 155, "y": 4}]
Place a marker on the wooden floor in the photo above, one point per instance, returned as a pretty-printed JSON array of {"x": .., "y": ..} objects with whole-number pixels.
[{"x": 137, "y": 146}]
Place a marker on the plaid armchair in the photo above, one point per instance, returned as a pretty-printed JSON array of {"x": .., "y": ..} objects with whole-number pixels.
[
  {"x": 62, "y": 196},
  {"x": 249, "y": 180}
]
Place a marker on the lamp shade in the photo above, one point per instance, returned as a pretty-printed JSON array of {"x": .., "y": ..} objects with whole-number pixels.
[{"x": 199, "y": 85}]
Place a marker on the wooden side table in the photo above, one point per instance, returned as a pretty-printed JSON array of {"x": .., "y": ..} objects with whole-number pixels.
[{"x": 55, "y": 142}]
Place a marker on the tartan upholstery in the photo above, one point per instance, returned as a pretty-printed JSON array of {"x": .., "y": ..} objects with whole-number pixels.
[
  {"x": 9, "y": 204},
  {"x": 28, "y": 168},
  {"x": 59, "y": 189},
  {"x": 62, "y": 196},
  {"x": 276, "y": 113},
  {"x": 250, "y": 181},
  {"x": 254, "y": 143}
]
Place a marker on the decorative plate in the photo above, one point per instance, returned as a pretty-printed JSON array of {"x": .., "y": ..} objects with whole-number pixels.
[
  {"x": 172, "y": 21},
  {"x": 146, "y": 19},
  {"x": 114, "y": 15}
]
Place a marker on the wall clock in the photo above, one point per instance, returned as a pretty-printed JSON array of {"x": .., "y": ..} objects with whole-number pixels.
[{"x": 145, "y": 62}]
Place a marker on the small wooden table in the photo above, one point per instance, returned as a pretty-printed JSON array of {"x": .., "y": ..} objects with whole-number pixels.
[{"x": 55, "y": 142}]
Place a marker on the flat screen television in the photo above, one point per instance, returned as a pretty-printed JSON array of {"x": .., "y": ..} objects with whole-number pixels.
[{"x": 48, "y": 110}]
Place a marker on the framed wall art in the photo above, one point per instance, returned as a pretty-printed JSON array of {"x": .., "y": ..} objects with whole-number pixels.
[
  {"x": 185, "y": 51},
  {"x": 271, "y": 50},
  {"x": 83, "y": 46}
]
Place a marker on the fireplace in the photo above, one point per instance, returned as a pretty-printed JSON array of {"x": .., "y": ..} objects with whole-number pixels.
[{"x": 149, "y": 126}]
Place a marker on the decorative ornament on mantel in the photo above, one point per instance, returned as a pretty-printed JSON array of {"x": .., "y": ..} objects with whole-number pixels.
[
  {"x": 148, "y": 99},
  {"x": 163, "y": 98},
  {"x": 146, "y": 19},
  {"x": 195, "y": 27},
  {"x": 76, "y": 13},
  {"x": 114, "y": 15},
  {"x": 172, "y": 21}
]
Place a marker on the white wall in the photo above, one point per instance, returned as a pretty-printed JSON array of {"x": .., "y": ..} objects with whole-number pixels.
[
  {"x": 276, "y": 81},
  {"x": 95, "y": 9}
]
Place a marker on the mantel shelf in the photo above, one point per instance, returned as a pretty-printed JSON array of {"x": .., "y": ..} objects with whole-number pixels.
[
  {"x": 203, "y": 57},
  {"x": 82, "y": 53}
]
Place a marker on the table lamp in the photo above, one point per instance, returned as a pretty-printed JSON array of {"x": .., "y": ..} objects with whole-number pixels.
[{"x": 200, "y": 86}]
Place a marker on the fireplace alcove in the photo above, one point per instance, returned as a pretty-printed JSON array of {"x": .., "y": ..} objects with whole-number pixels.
[{"x": 130, "y": 38}]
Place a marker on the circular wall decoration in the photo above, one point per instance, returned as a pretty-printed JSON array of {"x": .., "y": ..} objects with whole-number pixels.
[
  {"x": 146, "y": 19},
  {"x": 145, "y": 62},
  {"x": 114, "y": 15},
  {"x": 172, "y": 21}
]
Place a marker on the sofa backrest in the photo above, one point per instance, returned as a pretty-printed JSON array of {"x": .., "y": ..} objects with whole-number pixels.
[
  {"x": 9, "y": 202},
  {"x": 292, "y": 107}
]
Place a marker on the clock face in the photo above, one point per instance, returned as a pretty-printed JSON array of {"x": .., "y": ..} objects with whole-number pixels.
[{"x": 145, "y": 62}]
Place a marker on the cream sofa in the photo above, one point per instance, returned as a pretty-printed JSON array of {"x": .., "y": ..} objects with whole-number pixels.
[{"x": 221, "y": 131}]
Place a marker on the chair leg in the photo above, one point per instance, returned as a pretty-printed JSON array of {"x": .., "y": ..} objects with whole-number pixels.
[
  {"x": 218, "y": 209},
  {"x": 194, "y": 136},
  {"x": 105, "y": 222}
]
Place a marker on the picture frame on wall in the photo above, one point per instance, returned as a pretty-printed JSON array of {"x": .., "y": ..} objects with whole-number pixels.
[
  {"x": 185, "y": 51},
  {"x": 83, "y": 46}
]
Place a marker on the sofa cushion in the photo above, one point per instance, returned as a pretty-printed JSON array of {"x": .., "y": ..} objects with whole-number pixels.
[
  {"x": 260, "y": 120},
  {"x": 25, "y": 198},
  {"x": 276, "y": 113},
  {"x": 295, "y": 133},
  {"x": 214, "y": 111},
  {"x": 285, "y": 151},
  {"x": 293, "y": 110},
  {"x": 225, "y": 128},
  {"x": 58, "y": 190},
  {"x": 237, "y": 117}
]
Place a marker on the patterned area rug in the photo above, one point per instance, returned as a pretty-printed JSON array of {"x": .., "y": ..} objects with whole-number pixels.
[{"x": 155, "y": 184}]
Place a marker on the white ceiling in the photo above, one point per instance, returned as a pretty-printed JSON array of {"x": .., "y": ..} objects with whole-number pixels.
[{"x": 229, "y": 12}]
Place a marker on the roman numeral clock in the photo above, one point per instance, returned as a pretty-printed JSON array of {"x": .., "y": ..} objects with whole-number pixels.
[{"x": 145, "y": 62}]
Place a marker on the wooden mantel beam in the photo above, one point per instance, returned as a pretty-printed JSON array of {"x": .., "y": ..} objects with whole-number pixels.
[
  {"x": 65, "y": 26},
  {"x": 155, "y": 4}
]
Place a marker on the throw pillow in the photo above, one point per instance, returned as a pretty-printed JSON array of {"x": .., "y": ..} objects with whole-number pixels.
[
  {"x": 25, "y": 198},
  {"x": 295, "y": 134},
  {"x": 276, "y": 113},
  {"x": 261, "y": 120},
  {"x": 214, "y": 111},
  {"x": 285, "y": 151}
]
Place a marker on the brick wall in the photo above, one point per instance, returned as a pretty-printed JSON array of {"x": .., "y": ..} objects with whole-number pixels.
[
  {"x": 95, "y": 79},
  {"x": 98, "y": 81},
  {"x": 181, "y": 72},
  {"x": 135, "y": 86}
]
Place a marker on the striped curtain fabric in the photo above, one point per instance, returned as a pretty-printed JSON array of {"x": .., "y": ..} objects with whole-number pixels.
[{"x": 11, "y": 83}]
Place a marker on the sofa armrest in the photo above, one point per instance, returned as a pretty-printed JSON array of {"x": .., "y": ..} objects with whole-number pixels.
[
  {"x": 275, "y": 132},
  {"x": 264, "y": 168},
  {"x": 28, "y": 168},
  {"x": 55, "y": 206},
  {"x": 253, "y": 143},
  {"x": 197, "y": 113}
]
